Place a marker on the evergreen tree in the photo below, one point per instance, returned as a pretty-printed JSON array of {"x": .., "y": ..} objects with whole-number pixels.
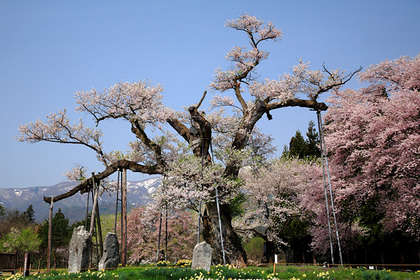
[
  {"x": 61, "y": 233},
  {"x": 301, "y": 148},
  {"x": 2, "y": 211},
  {"x": 28, "y": 216},
  {"x": 297, "y": 146},
  {"x": 313, "y": 149}
]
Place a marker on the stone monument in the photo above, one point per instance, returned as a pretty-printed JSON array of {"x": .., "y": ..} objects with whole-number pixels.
[
  {"x": 79, "y": 250},
  {"x": 202, "y": 256},
  {"x": 110, "y": 257}
]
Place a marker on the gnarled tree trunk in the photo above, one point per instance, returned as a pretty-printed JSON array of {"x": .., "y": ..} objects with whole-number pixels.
[{"x": 234, "y": 252}]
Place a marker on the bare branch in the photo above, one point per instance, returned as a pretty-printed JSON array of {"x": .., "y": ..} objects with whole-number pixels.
[
  {"x": 239, "y": 96},
  {"x": 202, "y": 99}
]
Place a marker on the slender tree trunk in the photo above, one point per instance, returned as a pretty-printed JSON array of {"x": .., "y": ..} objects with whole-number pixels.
[{"x": 234, "y": 252}]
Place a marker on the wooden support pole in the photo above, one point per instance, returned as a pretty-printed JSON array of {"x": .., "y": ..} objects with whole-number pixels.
[
  {"x": 95, "y": 204},
  {"x": 124, "y": 218},
  {"x": 50, "y": 235},
  {"x": 99, "y": 233},
  {"x": 116, "y": 202}
]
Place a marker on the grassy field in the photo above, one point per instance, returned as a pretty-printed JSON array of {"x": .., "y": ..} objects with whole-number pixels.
[{"x": 226, "y": 273}]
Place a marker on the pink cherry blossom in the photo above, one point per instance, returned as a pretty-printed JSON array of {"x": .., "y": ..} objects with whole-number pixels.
[{"x": 373, "y": 137}]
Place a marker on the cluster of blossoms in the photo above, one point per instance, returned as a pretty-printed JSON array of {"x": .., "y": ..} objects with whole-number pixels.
[{"x": 141, "y": 101}]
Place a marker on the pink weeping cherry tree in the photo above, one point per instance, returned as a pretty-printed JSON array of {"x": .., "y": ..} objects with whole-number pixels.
[
  {"x": 213, "y": 149},
  {"x": 373, "y": 138}
]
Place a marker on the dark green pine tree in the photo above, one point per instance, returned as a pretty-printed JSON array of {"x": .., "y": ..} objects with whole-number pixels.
[
  {"x": 301, "y": 148},
  {"x": 313, "y": 150},
  {"x": 28, "y": 217},
  {"x": 61, "y": 233},
  {"x": 298, "y": 146},
  {"x": 2, "y": 211}
]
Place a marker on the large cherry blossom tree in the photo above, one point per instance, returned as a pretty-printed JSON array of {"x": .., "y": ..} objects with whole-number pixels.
[{"x": 165, "y": 137}]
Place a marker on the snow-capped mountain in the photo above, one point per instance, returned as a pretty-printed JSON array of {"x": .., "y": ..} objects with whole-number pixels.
[{"x": 73, "y": 207}]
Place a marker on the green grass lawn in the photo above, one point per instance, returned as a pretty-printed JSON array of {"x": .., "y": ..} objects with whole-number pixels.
[{"x": 226, "y": 273}]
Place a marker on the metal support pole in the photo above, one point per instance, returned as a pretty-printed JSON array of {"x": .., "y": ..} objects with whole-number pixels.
[
  {"x": 325, "y": 162},
  {"x": 160, "y": 231},
  {"x": 166, "y": 230},
  {"x": 199, "y": 218},
  {"x": 325, "y": 189},
  {"x": 220, "y": 227}
]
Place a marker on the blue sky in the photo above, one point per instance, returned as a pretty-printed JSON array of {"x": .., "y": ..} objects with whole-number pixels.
[{"x": 51, "y": 49}]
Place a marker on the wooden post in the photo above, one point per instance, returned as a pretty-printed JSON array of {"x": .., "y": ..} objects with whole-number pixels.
[
  {"x": 50, "y": 235},
  {"x": 99, "y": 233},
  {"x": 93, "y": 217},
  {"x": 116, "y": 202},
  {"x": 26, "y": 265},
  {"x": 95, "y": 203},
  {"x": 124, "y": 218}
]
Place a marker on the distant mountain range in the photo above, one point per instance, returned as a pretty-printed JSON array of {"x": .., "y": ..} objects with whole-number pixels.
[{"x": 73, "y": 207}]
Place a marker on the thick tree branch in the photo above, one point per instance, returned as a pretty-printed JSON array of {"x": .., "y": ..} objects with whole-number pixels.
[
  {"x": 121, "y": 164},
  {"x": 256, "y": 232},
  {"x": 205, "y": 132},
  {"x": 239, "y": 96},
  {"x": 141, "y": 134},
  {"x": 248, "y": 123},
  {"x": 295, "y": 102},
  {"x": 179, "y": 127}
]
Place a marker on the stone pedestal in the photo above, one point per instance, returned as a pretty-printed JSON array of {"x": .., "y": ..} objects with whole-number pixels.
[
  {"x": 111, "y": 256},
  {"x": 202, "y": 256},
  {"x": 79, "y": 250}
]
